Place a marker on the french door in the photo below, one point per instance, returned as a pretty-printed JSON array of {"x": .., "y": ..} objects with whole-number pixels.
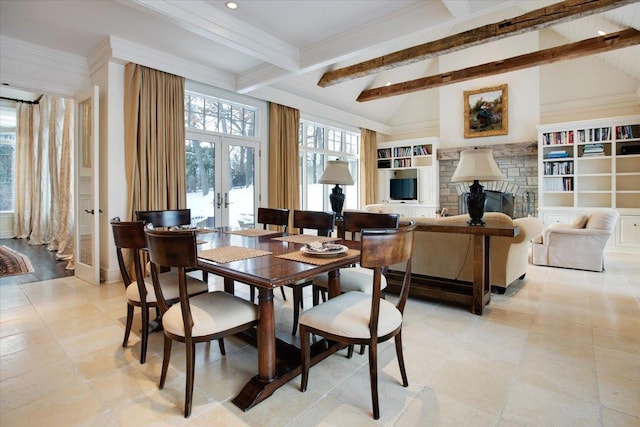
[
  {"x": 221, "y": 180},
  {"x": 87, "y": 196}
]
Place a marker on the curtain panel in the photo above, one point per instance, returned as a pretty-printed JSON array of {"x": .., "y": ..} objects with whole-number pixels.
[
  {"x": 284, "y": 180},
  {"x": 44, "y": 174},
  {"x": 154, "y": 139},
  {"x": 368, "y": 166}
]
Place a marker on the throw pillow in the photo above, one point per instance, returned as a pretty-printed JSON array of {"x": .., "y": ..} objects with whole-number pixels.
[
  {"x": 603, "y": 220},
  {"x": 580, "y": 221}
]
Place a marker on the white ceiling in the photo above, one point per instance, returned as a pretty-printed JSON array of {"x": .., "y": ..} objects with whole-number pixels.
[{"x": 269, "y": 47}]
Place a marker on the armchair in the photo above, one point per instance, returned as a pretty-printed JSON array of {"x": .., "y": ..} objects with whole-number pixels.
[{"x": 579, "y": 245}]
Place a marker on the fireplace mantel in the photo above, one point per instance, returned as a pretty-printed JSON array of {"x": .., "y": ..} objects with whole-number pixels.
[{"x": 499, "y": 150}]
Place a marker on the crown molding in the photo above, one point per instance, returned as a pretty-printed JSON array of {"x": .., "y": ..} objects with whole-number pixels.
[
  {"x": 43, "y": 56},
  {"x": 38, "y": 68},
  {"x": 124, "y": 51}
]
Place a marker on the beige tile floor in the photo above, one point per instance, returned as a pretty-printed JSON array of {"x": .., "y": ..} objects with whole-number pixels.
[{"x": 561, "y": 348}]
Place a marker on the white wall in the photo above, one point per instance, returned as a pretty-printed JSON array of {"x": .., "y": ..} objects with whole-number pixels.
[
  {"x": 523, "y": 93},
  {"x": 113, "y": 195}
]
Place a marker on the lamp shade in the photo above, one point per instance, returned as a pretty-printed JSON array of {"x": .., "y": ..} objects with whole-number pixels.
[
  {"x": 476, "y": 164},
  {"x": 337, "y": 172}
]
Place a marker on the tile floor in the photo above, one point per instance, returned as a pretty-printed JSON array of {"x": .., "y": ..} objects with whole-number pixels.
[{"x": 561, "y": 348}]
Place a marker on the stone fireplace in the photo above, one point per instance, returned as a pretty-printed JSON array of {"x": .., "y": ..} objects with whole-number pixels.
[{"x": 519, "y": 165}]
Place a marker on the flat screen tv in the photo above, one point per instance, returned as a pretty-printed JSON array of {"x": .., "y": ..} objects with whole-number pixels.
[{"x": 403, "y": 189}]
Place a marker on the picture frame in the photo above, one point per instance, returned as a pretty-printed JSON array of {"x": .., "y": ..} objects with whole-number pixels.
[{"x": 486, "y": 112}]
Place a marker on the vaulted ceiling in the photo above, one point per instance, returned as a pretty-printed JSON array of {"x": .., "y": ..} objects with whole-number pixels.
[{"x": 279, "y": 49}]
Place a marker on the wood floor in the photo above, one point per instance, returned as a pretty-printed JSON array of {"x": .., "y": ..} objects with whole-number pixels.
[{"x": 44, "y": 263}]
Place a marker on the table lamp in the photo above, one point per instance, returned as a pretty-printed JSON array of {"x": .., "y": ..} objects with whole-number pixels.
[
  {"x": 476, "y": 165},
  {"x": 337, "y": 172}
]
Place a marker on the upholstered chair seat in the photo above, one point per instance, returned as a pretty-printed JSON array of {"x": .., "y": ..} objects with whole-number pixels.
[
  {"x": 169, "y": 284},
  {"x": 212, "y": 313},
  {"x": 349, "y": 315},
  {"x": 351, "y": 279}
]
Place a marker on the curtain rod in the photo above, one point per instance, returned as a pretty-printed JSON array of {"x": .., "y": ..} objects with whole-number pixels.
[{"x": 37, "y": 101}]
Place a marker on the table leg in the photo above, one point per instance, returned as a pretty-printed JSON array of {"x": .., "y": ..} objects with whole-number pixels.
[
  {"x": 266, "y": 336},
  {"x": 478, "y": 274},
  {"x": 486, "y": 293},
  {"x": 334, "y": 283},
  {"x": 229, "y": 286}
]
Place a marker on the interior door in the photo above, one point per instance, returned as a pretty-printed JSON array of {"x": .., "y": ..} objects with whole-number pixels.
[
  {"x": 87, "y": 236},
  {"x": 221, "y": 180}
]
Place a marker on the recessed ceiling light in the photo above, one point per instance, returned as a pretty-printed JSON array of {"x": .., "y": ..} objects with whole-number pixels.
[
  {"x": 231, "y": 5},
  {"x": 601, "y": 33},
  {"x": 388, "y": 84}
]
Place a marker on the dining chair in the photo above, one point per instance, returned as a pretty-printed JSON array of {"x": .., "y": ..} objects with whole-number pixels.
[
  {"x": 165, "y": 217},
  {"x": 201, "y": 318},
  {"x": 322, "y": 223},
  {"x": 266, "y": 217},
  {"x": 355, "y": 278},
  {"x": 139, "y": 291},
  {"x": 169, "y": 218},
  {"x": 361, "y": 318}
]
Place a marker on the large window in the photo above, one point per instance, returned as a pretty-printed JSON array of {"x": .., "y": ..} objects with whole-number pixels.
[
  {"x": 221, "y": 148},
  {"x": 319, "y": 144},
  {"x": 7, "y": 156}
]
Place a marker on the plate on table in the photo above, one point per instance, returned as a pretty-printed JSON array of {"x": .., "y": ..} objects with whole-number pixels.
[{"x": 325, "y": 250}]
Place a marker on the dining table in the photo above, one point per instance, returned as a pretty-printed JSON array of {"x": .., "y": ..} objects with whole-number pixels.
[{"x": 269, "y": 259}]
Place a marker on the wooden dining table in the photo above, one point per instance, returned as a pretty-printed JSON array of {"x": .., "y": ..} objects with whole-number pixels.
[{"x": 271, "y": 261}]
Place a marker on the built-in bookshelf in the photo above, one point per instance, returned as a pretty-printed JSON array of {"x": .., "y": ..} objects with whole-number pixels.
[
  {"x": 588, "y": 165},
  {"x": 409, "y": 154},
  {"x": 413, "y": 160}
]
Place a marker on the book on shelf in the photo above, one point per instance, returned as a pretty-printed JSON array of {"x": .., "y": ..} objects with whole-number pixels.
[
  {"x": 558, "y": 168},
  {"x": 556, "y": 138},
  {"x": 628, "y": 132},
  {"x": 384, "y": 154},
  {"x": 593, "y": 150},
  {"x": 421, "y": 150},
  {"x": 558, "y": 183},
  {"x": 559, "y": 154},
  {"x": 600, "y": 134}
]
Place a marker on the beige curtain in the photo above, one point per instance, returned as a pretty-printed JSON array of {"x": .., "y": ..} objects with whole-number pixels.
[
  {"x": 154, "y": 139},
  {"x": 284, "y": 180},
  {"x": 368, "y": 166},
  {"x": 44, "y": 174}
]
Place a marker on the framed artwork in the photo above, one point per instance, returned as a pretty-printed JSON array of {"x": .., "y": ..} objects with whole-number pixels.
[{"x": 486, "y": 112}]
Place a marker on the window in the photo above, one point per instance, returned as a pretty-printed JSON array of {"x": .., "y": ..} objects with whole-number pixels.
[
  {"x": 217, "y": 115},
  {"x": 319, "y": 144},
  {"x": 7, "y": 156},
  {"x": 221, "y": 150}
]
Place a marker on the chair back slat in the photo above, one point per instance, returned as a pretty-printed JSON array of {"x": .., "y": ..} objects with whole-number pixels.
[
  {"x": 273, "y": 216},
  {"x": 172, "y": 248},
  {"x": 380, "y": 249},
  {"x": 165, "y": 218},
  {"x": 355, "y": 222},
  {"x": 177, "y": 249},
  {"x": 130, "y": 235},
  {"x": 322, "y": 222}
]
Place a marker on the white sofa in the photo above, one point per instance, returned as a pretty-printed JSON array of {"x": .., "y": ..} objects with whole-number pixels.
[{"x": 579, "y": 245}]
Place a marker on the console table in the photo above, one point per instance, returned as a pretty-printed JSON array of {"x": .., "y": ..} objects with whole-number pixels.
[{"x": 476, "y": 294}]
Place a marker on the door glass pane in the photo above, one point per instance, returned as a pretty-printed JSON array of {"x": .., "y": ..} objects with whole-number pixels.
[
  {"x": 85, "y": 180},
  {"x": 240, "y": 197},
  {"x": 201, "y": 186}
]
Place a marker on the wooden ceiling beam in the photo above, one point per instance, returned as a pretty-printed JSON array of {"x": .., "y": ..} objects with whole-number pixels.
[
  {"x": 587, "y": 47},
  {"x": 534, "y": 20}
]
